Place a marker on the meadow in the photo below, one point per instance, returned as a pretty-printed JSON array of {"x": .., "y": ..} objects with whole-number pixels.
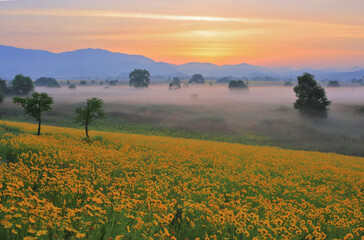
[
  {"x": 262, "y": 116},
  {"x": 125, "y": 186}
]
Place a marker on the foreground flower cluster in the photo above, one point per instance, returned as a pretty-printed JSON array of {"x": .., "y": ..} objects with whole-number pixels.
[{"x": 122, "y": 186}]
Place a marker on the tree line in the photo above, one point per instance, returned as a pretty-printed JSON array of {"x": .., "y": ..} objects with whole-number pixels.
[
  {"x": 20, "y": 85},
  {"x": 311, "y": 97}
]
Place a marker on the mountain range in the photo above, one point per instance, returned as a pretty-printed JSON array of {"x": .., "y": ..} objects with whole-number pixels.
[{"x": 99, "y": 63}]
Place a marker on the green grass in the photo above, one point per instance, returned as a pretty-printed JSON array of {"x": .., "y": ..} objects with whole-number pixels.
[{"x": 341, "y": 133}]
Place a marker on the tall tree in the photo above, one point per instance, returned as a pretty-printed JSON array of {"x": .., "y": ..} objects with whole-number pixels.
[
  {"x": 311, "y": 97},
  {"x": 22, "y": 85},
  {"x": 139, "y": 78},
  {"x": 35, "y": 105},
  {"x": 91, "y": 112}
]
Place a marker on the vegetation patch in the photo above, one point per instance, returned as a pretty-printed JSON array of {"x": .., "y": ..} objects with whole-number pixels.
[{"x": 151, "y": 187}]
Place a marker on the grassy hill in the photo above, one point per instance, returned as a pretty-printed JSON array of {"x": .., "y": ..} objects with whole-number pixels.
[{"x": 124, "y": 186}]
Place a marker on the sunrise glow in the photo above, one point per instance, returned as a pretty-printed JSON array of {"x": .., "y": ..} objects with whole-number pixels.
[{"x": 229, "y": 33}]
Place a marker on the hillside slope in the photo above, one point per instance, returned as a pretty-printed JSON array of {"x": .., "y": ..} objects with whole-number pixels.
[{"x": 118, "y": 186}]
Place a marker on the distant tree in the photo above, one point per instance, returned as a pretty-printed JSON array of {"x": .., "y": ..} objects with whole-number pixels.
[
  {"x": 113, "y": 82},
  {"x": 334, "y": 84},
  {"x": 4, "y": 87},
  {"x": 35, "y": 105},
  {"x": 311, "y": 98},
  {"x": 47, "y": 82},
  {"x": 176, "y": 80},
  {"x": 175, "y": 84},
  {"x": 68, "y": 82},
  {"x": 22, "y": 85},
  {"x": 2, "y": 96},
  {"x": 239, "y": 84},
  {"x": 288, "y": 83},
  {"x": 93, "y": 81},
  {"x": 101, "y": 83},
  {"x": 72, "y": 86},
  {"x": 91, "y": 112},
  {"x": 197, "y": 78},
  {"x": 139, "y": 78},
  {"x": 83, "y": 82}
]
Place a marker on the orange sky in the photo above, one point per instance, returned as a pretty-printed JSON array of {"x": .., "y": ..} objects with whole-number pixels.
[{"x": 270, "y": 33}]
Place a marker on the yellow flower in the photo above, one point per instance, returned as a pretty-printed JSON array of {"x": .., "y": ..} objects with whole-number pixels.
[
  {"x": 41, "y": 233},
  {"x": 29, "y": 238},
  {"x": 32, "y": 219},
  {"x": 80, "y": 235},
  {"x": 348, "y": 236}
]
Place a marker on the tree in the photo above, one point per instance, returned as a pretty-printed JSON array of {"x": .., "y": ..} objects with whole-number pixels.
[
  {"x": 91, "y": 112},
  {"x": 35, "y": 105},
  {"x": 176, "y": 80},
  {"x": 4, "y": 89},
  {"x": 113, "y": 82},
  {"x": 334, "y": 83},
  {"x": 197, "y": 78},
  {"x": 239, "y": 84},
  {"x": 311, "y": 98},
  {"x": 139, "y": 78},
  {"x": 288, "y": 82},
  {"x": 72, "y": 86},
  {"x": 22, "y": 85},
  {"x": 83, "y": 82},
  {"x": 175, "y": 84},
  {"x": 2, "y": 96},
  {"x": 47, "y": 82}
]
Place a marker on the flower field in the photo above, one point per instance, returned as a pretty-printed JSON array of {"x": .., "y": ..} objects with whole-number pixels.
[{"x": 123, "y": 186}]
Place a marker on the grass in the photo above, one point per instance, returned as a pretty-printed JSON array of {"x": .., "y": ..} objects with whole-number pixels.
[
  {"x": 262, "y": 125},
  {"x": 148, "y": 120}
]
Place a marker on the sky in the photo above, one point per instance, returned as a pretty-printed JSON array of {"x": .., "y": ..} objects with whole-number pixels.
[{"x": 273, "y": 33}]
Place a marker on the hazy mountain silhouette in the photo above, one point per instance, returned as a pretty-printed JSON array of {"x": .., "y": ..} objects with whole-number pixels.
[{"x": 99, "y": 63}]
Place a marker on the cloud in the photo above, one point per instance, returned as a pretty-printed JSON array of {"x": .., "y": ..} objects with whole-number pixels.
[
  {"x": 118, "y": 14},
  {"x": 59, "y": 12}
]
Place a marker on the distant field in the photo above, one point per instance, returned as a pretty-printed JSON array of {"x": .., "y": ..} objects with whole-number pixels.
[
  {"x": 262, "y": 116},
  {"x": 123, "y": 186}
]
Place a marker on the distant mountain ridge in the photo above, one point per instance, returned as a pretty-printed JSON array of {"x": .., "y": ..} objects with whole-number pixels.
[{"x": 99, "y": 63}]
